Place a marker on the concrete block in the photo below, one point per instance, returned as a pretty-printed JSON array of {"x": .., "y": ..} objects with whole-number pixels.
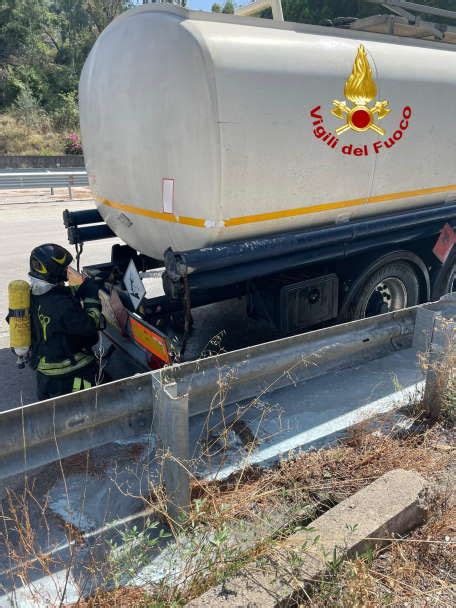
[{"x": 391, "y": 505}]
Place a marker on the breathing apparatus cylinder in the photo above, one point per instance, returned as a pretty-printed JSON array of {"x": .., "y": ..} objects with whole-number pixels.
[{"x": 19, "y": 320}]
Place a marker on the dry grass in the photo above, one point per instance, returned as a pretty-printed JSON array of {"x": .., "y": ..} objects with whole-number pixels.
[
  {"x": 417, "y": 572},
  {"x": 318, "y": 479},
  {"x": 440, "y": 369},
  {"x": 322, "y": 476},
  {"x": 449, "y": 401},
  {"x": 120, "y": 598},
  {"x": 18, "y": 139}
]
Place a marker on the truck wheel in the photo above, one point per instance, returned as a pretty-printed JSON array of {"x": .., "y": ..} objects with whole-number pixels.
[
  {"x": 451, "y": 285},
  {"x": 391, "y": 287},
  {"x": 446, "y": 279}
]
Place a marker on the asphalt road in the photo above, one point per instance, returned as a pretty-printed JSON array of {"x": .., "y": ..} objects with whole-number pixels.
[{"x": 26, "y": 220}]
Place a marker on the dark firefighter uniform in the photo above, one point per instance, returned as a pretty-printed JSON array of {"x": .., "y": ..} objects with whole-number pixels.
[{"x": 63, "y": 328}]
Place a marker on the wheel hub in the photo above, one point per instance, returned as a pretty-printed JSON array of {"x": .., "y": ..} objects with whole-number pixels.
[{"x": 388, "y": 295}]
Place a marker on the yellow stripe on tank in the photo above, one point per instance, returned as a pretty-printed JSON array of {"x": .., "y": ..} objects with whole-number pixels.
[
  {"x": 156, "y": 215},
  {"x": 276, "y": 215},
  {"x": 264, "y": 217}
]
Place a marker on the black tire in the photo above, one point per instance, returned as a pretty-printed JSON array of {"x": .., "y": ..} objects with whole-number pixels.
[
  {"x": 367, "y": 301},
  {"x": 445, "y": 281}
]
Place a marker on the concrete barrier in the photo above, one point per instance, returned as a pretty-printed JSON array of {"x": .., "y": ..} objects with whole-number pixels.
[{"x": 391, "y": 505}]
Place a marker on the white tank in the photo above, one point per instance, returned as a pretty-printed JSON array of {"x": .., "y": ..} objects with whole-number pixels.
[{"x": 201, "y": 128}]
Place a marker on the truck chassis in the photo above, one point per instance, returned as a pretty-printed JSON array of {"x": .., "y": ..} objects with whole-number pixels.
[{"x": 290, "y": 282}]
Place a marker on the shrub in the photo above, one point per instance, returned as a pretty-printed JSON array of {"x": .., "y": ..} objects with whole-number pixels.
[
  {"x": 29, "y": 112},
  {"x": 65, "y": 116},
  {"x": 73, "y": 144}
]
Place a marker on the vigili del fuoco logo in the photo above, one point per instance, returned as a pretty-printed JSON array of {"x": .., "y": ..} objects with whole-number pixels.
[{"x": 360, "y": 113}]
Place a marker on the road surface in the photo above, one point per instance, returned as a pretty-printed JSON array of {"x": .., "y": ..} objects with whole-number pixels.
[{"x": 27, "y": 219}]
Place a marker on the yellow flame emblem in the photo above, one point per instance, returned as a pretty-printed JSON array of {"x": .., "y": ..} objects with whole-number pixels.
[{"x": 360, "y": 89}]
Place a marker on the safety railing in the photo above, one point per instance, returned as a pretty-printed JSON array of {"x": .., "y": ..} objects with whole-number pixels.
[
  {"x": 18, "y": 180},
  {"x": 167, "y": 401}
]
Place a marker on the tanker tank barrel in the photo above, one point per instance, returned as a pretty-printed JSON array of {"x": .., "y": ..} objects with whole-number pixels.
[{"x": 202, "y": 172}]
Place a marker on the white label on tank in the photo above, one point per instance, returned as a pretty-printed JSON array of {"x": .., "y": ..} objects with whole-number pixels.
[{"x": 168, "y": 195}]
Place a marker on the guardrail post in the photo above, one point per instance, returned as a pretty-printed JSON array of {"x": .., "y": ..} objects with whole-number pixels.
[
  {"x": 424, "y": 327},
  {"x": 70, "y": 183},
  {"x": 171, "y": 425},
  {"x": 438, "y": 364}
]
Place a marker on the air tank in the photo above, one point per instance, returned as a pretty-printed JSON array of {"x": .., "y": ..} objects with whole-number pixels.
[{"x": 200, "y": 128}]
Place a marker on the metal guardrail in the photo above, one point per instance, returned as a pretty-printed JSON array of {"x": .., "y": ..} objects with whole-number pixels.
[
  {"x": 166, "y": 401},
  {"x": 18, "y": 180},
  {"x": 34, "y": 162},
  {"x": 16, "y": 170}
]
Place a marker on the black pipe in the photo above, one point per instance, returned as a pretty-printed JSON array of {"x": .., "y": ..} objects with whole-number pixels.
[
  {"x": 414, "y": 233},
  {"x": 271, "y": 265},
  {"x": 262, "y": 268},
  {"x": 235, "y": 253},
  {"x": 77, "y": 235},
  {"x": 78, "y": 218}
]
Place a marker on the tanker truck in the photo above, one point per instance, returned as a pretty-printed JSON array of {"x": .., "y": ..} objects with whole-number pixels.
[{"x": 307, "y": 174}]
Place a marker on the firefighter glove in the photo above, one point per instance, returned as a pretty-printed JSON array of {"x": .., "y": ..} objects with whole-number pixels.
[{"x": 89, "y": 289}]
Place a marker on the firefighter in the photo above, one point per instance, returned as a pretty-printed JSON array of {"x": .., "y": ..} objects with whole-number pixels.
[{"x": 63, "y": 328}]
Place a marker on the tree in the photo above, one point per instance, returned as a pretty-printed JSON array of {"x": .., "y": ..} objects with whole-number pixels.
[
  {"x": 102, "y": 12},
  {"x": 44, "y": 43},
  {"x": 24, "y": 54},
  {"x": 317, "y": 11},
  {"x": 43, "y": 46},
  {"x": 228, "y": 8}
]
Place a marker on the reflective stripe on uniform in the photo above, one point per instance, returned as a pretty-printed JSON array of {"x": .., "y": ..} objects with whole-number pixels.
[
  {"x": 65, "y": 366},
  {"x": 43, "y": 365},
  {"x": 79, "y": 383},
  {"x": 95, "y": 314}
]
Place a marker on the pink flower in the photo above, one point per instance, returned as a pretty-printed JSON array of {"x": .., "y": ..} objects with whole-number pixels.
[{"x": 73, "y": 144}]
